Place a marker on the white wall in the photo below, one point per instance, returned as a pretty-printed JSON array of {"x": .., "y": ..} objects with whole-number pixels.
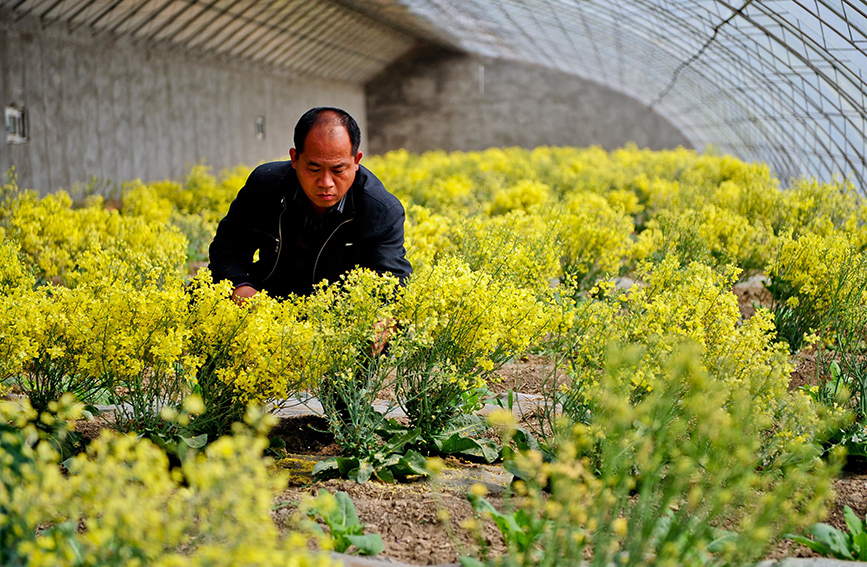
[{"x": 114, "y": 109}]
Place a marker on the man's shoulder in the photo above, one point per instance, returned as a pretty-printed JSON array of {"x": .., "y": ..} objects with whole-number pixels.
[
  {"x": 272, "y": 170},
  {"x": 373, "y": 191},
  {"x": 268, "y": 181}
]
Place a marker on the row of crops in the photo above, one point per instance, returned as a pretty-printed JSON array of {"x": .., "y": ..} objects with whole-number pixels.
[{"x": 669, "y": 431}]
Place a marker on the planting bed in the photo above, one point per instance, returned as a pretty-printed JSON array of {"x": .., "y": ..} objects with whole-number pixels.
[
  {"x": 409, "y": 515},
  {"x": 675, "y": 401}
]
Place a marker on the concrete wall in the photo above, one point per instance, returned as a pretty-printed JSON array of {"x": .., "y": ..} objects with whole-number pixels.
[
  {"x": 433, "y": 99},
  {"x": 115, "y": 109}
]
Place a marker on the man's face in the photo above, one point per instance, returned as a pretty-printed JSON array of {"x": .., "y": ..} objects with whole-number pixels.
[{"x": 326, "y": 168}]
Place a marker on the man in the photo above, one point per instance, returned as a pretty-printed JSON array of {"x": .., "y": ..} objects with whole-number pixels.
[{"x": 312, "y": 218}]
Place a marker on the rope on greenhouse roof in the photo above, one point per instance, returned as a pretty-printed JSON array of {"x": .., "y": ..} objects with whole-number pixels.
[{"x": 689, "y": 61}]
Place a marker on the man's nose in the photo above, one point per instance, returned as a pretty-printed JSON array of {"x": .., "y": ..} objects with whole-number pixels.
[{"x": 326, "y": 179}]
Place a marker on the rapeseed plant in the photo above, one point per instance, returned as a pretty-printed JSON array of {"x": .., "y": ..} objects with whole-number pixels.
[
  {"x": 519, "y": 247},
  {"x": 348, "y": 369},
  {"x": 672, "y": 478},
  {"x": 121, "y": 505},
  {"x": 596, "y": 238},
  {"x": 458, "y": 325},
  {"x": 193, "y": 206},
  {"x": 255, "y": 352},
  {"x": 54, "y": 237}
]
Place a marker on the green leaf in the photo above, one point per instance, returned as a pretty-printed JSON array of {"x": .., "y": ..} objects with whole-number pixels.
[
  {"x": 196, "y": 442},
  {"x": 859, "y": 543},
  {"x": 854, "y": 449},
  {"x": 454, "y": 443},
  {"x": 391, "y": 428},
  {"x": 390, "y": 461},
  {"x": 340, "y": 544},
  {"x": 490, "y": 450},
  {"x": 833, "y": 538},
  {"x": 363, "y": 473},
  {"x": 347, "y": 464},
  {"x": 466, "y": 425},
  {"x": 853, "y": 522},
  {"x": 411, "y": 464},
  {"x": 396, "y": 444},
  {"x": 525, "y": 440},
  {"x": 343, "y": 518},
  {"x": 816, "y": 546},
  {"x": 369, "y": 544},
  {"x": 326, "y": 469},
  {"x": 482, "y": 447},
  {"x": 721, "y": 538},
  {"x": 470, "y": 562},
  {"x": 170, "y": 447},
  {"x": 385, "y": 475},
  {"x": 506, "y": 523}
]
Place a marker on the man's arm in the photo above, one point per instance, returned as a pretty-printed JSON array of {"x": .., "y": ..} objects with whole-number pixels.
[
  {"x": 230, "y": 252},
  {"x": 241, "y": 232},
  {"x": 385, "y": 251}
]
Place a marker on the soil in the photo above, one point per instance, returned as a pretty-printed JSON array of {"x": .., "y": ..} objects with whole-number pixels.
[{"x": 409, "y": 516}]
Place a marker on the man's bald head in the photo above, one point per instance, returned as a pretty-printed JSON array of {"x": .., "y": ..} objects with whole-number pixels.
[{"x": 326, "y": 116}]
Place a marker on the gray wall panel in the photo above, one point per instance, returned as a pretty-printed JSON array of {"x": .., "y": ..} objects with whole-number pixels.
[
  {"x": 437, "y": 100},
  {"x": 114, "y": 109}
]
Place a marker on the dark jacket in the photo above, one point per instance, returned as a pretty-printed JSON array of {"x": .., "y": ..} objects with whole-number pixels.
[{"x": 297, "y": 249}]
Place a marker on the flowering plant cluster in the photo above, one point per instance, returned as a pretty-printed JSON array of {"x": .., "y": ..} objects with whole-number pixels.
[
  {"x": 120, "y": 504},
  {"x": 513, "y": 250},
  {"x": 675, "y": 477}
]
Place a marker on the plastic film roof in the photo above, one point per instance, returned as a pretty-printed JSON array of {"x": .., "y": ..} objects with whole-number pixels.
[
  {"x": 781, "y": 81},
  {"x": 319, "y": 38}
]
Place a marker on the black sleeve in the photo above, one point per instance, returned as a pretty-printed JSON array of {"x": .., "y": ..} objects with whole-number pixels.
[
  {"x": 241, "y": 233},
  {"x": 385, "y": 253}
]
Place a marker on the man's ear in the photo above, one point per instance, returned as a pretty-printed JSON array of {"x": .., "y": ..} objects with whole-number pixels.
[
  {"x": 293, "y": 155},
  {"x": 357, "y": 159}
]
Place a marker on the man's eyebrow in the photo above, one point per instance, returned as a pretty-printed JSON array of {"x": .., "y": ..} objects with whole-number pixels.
[{"x": 318, "y": 164}]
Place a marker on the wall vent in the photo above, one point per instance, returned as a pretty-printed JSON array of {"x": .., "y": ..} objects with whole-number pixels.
[{"x": 16, "y": 125}]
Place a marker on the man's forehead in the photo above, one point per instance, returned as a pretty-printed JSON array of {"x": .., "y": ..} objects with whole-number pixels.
[
  {"x": 328, "y": 142},
  {"x": 332, "y": 132}
]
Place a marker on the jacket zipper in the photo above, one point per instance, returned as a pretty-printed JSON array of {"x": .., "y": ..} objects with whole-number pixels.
[
  {"x": 279, "y": 239},
  {"x": 324, "y": 244}
]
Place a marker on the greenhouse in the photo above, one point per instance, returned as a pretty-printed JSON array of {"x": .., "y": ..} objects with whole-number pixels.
[
  {"x": 480, "y": 282},
  {"x": 777, "y": 82}
]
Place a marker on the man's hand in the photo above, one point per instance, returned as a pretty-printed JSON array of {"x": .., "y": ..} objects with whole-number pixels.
[
  {"x": 242, "y": 293},
  {"x": 382, "y": 331}
]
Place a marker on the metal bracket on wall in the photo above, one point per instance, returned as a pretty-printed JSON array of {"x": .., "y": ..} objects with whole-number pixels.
[{"x": 260, "y": 127}]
